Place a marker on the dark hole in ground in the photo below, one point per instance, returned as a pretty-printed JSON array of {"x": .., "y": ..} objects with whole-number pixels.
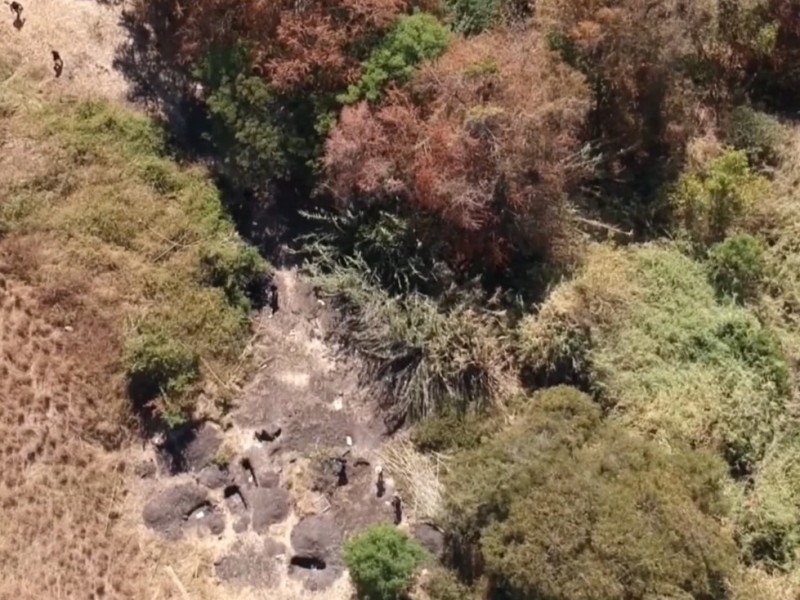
[
  {"x": 233, "y": 491},
  {"x": 268, "y": 435},
  {"x": 312, "y": 563},
  {"x": 340, "y": 469},
  {"x": 247, "y": 466}
]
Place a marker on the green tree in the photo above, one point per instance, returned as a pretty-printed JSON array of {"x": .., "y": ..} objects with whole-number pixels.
[
  {"x": 382, "y": 562},
  {"x": 562, "y": 492},
  {"x": 707, "y": 204},
  {"x": 737, "y": 266},
  {"x": 414, "y": 39}
]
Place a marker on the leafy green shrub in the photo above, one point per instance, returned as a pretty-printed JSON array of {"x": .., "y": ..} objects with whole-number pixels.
[
  {"x": 707, "y": 204},
  {"x": 758, "y": 134},
  {"x": 414, "y": 39},
  {"x": 471, "y": 17},
  {"x": 236, "y": 268},
  {"x": 158, "y": 364},
  {"x": 260, "y": 135},
  {"x": 768, "y": 524},
  {"x": 737, "y": 266},
  {"x": 382, "y": 562},
  {"x": 663, "y": 355},
  {"x": 562, "y": 492},
  {"x": 160, "y": 174}
]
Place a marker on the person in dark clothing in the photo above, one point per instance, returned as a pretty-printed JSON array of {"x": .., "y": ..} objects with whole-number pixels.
[
  {"x": 397, "y": 505},
  {"x": 58, "y": 63}
]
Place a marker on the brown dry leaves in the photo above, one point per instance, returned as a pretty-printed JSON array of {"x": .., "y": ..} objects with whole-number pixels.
[{"x": 485, "y": 141}]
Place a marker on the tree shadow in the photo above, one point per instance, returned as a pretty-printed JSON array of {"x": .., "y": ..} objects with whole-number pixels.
[{"x": 268, "y": 218}]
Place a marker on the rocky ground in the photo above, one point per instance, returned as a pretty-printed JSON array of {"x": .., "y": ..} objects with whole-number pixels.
[{"x": 292, "y": 474}]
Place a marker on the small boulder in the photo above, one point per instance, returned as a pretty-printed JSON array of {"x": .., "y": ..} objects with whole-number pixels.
[
  {"x": 268, "y": 507},
  {"x": 202, "y": 449},
  {"x": 207, "y": 519},
  {"x": 261, "y": 467},
  {"x": 251, "y": 565},
  {"x": 167, "y": 511},
  {"x": 145, "y": 469},
  {"x": 429, "y": 538},
  {"x": 316, "y": 551},
  {"x": 215, "y": 477}
]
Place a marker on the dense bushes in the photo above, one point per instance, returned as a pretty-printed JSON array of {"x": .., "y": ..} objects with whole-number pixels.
[
  {"x": 663, "y": 354},
  {"x": 463, "y": 175},
  {"x": 757, "y": 133},
  {"x": 424, "y": 356},
  {"x": 382, "y": 562},
  {"x": 498, "y": 118},
  {"x": 156, "y": 239},
  {"x": 640, "y": 522},
  {"x": 238, "y": 269}
]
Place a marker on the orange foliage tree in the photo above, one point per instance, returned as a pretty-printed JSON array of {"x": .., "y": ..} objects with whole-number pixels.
[
  {"x": 485, "y": 142},
  {"x": 298, "y": 45},
  {"x": 636, "y": 53}
]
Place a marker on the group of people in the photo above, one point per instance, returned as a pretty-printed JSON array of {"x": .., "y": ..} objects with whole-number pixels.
[{"x": 16, "y": 8}]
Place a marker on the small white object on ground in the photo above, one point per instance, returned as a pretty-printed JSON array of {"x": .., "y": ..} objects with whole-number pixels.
[{"x": 349, "y": 440}]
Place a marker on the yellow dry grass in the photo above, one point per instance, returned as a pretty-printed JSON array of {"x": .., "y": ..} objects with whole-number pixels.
[
  {"x": 86, "y": 34},
  {"x": 75, "y": 269}
]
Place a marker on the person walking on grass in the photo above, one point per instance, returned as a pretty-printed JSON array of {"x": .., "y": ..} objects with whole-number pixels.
[{"x": 58, "y": 63}]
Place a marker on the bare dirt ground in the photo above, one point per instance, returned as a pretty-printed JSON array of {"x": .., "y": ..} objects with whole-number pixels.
[{"x": 255, "y": 505}]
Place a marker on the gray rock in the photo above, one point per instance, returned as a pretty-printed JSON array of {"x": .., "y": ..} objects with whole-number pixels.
[
  {"x": 316, "y": 551},
  {"x": 248, "y": 565},
  {"x": 207, "y": 519},
  {"x": 268, "y": 507},
  {"x": 213, "y": 477},
  {"x": 261, "y": 465},
  {"x": 202, "y": 449},
  {"x": 429, "y": 538},
  {"x": 241, "y": 524},
  {"x": 145, "y": 469},
  {"x": 167, "y": 511}
]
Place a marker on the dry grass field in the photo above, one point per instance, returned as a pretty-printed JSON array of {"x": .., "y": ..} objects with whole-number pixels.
[{"x": 97, "y": 234}]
